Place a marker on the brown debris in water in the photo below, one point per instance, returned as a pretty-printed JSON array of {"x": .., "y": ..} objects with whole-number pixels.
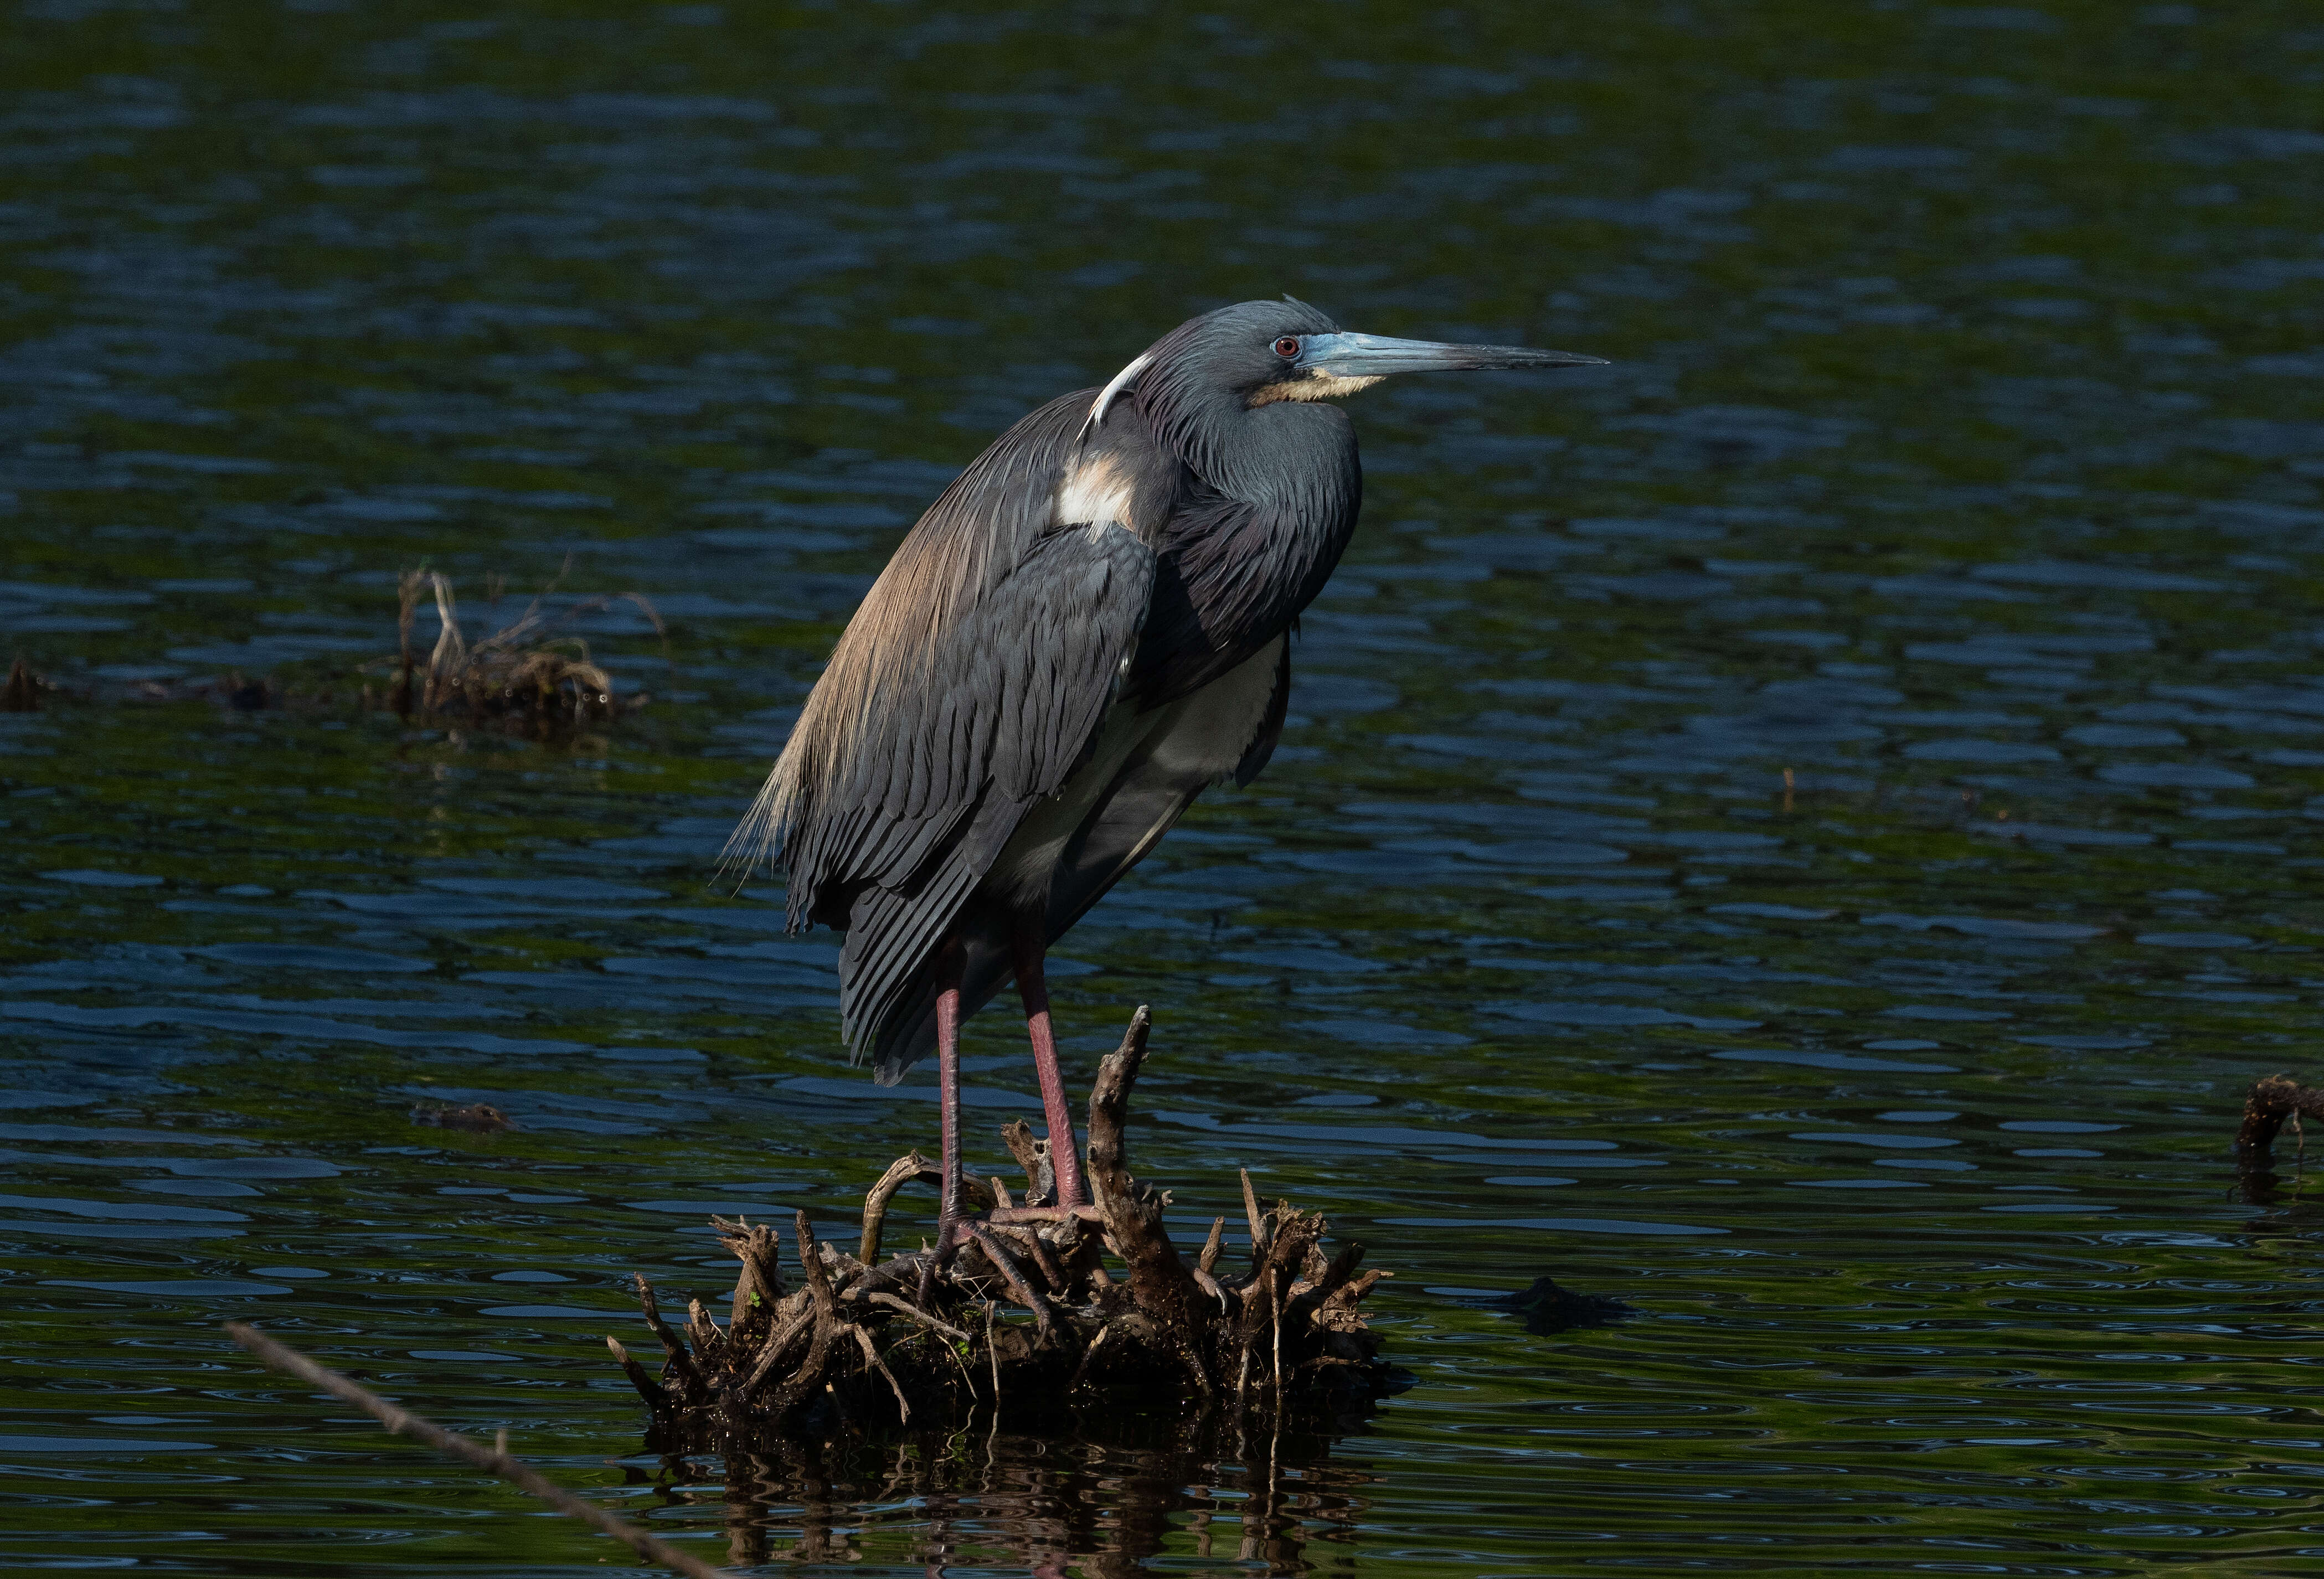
[
  {"x": 523, "y": 679},
  {"x": 523, "y": 676},
  {"x": 22, "y": 692},
  {"x": 854, "y": 1345},
  {"x": 2272, "y": 1100},
  {"x": 480, "y": 1116}
]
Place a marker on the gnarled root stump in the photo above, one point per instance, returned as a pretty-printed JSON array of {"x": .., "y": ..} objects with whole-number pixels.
[
  {"x": 858, "y": 1344},
  {"x": 2273, "y": 1099}
]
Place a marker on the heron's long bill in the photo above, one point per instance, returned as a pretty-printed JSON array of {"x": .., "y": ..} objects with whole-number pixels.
[{"x": 1346, "y": 355}]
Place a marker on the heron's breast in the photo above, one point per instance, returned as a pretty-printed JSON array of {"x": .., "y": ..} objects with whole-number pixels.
[
  {"x": 1163, "y": 756},
  {"x": 1201, "y": 738}
]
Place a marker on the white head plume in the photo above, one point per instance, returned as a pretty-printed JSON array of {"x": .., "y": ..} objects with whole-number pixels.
[{"x": 1106, "y": 396}]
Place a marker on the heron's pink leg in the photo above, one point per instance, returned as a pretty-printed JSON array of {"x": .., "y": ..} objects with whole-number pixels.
[
  {"x": 1064, "y": 1153},
  {"x": 949, "y": 1104}
]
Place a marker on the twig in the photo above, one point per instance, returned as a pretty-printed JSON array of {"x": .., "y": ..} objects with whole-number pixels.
[
  {"x": 708, "y": 1340},
  {"x": 1046, "y": 1259},
  {"x": 1210, "y": 1286},
  {"x": 992, "y": 1352},
  {"x": 933, "y": 1324},
  {"x": 402, "y": 1422},
  {"x": 647, "y": 1388},
  {"x": 1343, "y": 1266},
  {"x": 872, "y": 1357},
  {"x": 935, "y": 1327},
  {"x": 1015, "y": 1215},
  {"x": 1033, "y": 1157},
  {"x": 875, "y": 1203},
  {"x": 759, "y": 1250},
  {"x": 901, "y": 1172},
  {"x": 922, "y": 1317},
  {"x": 1109, "y": 1097},
  {"x": 660, "y": 1329},
  {"x": 818, "y": 1281},
  {"x": 1274, "y": 1326},
  {"x": 450, "y": 648},
  {"x": 1088, "y": 1355},
  {"x": 774, "y": 1350},
  {"x": 824, "y": 1312},
  {"x": 1251, "y": 1214},
  {"x": 1293, "y": 1244},
  {"x": 802, "y": 1384}
]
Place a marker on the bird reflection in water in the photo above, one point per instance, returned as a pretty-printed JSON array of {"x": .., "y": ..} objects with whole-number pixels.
[{"x": 1042, "y": 1505}]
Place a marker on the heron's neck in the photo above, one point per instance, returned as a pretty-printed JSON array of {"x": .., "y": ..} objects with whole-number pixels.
[
  {"x": 1294, "y": 457},
  {"x": 1283, "y": 488}
]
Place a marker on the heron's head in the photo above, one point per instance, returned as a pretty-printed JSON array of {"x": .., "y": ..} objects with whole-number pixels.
[{"x": 1257, "y": 353}]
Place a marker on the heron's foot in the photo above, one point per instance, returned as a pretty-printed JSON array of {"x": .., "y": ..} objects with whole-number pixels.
[{"x": 953, "y": 1228}]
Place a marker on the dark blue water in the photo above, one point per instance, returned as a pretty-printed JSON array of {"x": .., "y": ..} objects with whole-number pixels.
[{"x": 1807, "y": 830}]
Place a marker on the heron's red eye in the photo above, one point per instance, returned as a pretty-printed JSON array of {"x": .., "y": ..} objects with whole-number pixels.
[{"x": 1287, "y": 346}]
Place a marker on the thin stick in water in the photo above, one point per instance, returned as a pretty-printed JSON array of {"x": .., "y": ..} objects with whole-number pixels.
[
  {"x": 276, "y": 1356},
  {"x": 994, "y": 1352}
]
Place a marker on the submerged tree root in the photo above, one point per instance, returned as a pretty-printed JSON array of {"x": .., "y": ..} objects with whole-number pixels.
[{"x": 1027, "y": 1316}]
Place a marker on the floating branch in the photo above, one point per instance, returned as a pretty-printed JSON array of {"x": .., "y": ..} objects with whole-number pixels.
[
  {"x": 1026, "y": 1315},
  {"x": 402, "y": 1422}
]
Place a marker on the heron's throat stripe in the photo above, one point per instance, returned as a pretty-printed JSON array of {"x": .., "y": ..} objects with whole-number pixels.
[{"x": 1309, "y": 386}]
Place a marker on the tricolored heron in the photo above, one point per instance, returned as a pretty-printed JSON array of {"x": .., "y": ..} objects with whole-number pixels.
[{"x": 1086, "y": 631}]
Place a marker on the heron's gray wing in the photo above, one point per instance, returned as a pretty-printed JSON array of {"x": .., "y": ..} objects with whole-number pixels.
[
  {"x": 1031, "y": 672},
  {"x": 970, "y": 684}
]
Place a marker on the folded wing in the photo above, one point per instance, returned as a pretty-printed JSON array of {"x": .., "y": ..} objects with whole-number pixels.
[{"x": 969, "y": 685}]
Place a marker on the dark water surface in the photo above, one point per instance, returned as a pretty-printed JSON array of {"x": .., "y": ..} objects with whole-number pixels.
[{"x": 1959, "y": 470}]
